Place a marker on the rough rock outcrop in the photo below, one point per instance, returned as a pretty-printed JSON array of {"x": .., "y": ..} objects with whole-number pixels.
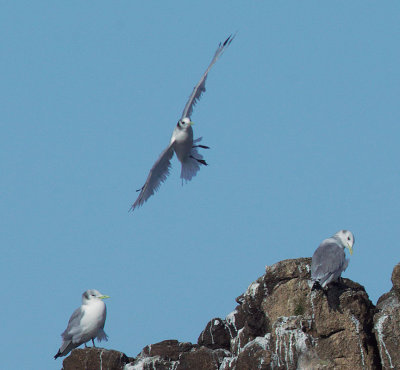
[
  {"x": 387, "y": 324},
  {"x": 95, "y": 359},
  {"x": 280, "y": 323}
]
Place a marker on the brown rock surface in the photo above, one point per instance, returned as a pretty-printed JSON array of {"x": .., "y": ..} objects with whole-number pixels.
[
  {"x": 281, "y": 323},
  {"x": 94, "y": 359},
  {"x": 215, "y": 335},
  {"x": 387, "y": 324},
  {"x": 396, "y": 279}
]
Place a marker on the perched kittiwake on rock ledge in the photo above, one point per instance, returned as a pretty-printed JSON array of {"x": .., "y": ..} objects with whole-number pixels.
[
  {"x": 181, "y": 143},
  {"x": 86, "y": 323},
  {"x": 329, "y": 260}
]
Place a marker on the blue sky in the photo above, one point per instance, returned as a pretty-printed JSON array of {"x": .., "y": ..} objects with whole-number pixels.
[{"x": 302, "y": 117}]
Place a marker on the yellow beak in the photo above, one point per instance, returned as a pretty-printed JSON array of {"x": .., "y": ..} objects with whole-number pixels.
[
  {"x": 350, "y": 249},
  {"x": 104, "y": 297}
]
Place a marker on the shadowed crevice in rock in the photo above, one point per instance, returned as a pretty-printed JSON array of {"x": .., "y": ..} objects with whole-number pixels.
[{"x": 331, "y": 333}]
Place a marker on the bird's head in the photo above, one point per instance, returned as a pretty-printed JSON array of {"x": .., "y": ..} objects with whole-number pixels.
[
  {"x": 93, "y": 294},
  {"x": 346, "y": 238},
  {"x": 184, "y": 123}
]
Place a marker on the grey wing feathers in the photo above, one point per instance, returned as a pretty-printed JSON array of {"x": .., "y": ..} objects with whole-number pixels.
[
  {"x": 157, "y": 175},
  {"x": 67, "y": 335},
  {"x": 73, "y": 322},
  {"x": 328, "y": 262},
  {"x": 201, "y": 85}
]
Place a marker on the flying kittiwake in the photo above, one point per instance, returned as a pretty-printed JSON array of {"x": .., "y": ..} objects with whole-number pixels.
[{"x": 182, "y": 143}]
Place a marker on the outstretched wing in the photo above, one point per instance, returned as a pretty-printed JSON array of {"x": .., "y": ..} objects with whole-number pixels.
[
  {"x": 201, "y": 85},
  {"x": 158, "y": 174}
]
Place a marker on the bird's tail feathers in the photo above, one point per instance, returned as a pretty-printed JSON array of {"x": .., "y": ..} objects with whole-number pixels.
[
  {"x": 65, "y": 348},
  {"x": 191, "y": 165},
  {"x": 102, "y": 335}
]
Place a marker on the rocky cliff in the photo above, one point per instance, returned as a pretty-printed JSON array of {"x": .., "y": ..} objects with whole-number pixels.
[{"x": 279, "y": 323}]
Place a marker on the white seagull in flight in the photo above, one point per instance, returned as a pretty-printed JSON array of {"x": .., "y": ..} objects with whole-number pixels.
[{"x": 182, "y": 142}]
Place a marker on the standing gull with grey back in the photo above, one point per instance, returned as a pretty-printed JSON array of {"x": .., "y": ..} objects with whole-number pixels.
[
  {"x": 86, "y": 323},
  {"x": 329, "y": 259}
]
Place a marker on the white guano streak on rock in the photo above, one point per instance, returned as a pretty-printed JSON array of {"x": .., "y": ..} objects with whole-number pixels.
[
  {"x": 382, "y": 345},
  {"x": 230, "y": 332},
  {"x": 278, "y": 333},
  {"x": 101, "y": 359},
  {"x": 142, "y": 362},
  {"x": 237, "y": 341},
  {"x": 297, "y": 335},
  {"x": 230, "y": 319},
  {"x": 227, "y": 361},
  {"x": 357, "y": 324},
  {"x": 252, "y": 289},
  {"x": 212, "y": 337},
  {"x": 262, "y": 342},
  {"x": 312, "y": 296}
]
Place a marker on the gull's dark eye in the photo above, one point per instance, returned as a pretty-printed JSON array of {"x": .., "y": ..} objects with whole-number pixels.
[{"x": 348, "y": 238}]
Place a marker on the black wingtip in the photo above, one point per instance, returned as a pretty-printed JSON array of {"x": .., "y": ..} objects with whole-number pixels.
[
  {"x": 229, "y": 39},
  {"x": 58, "y": 354},
  {"x": 226, "y": 41}
]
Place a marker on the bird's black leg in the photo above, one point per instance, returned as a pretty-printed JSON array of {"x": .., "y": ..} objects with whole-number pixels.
[
  {"x": 202, "y": 161},
  {"x": 201, "y": 146},
  {"x": 93, "y": 342},
  {"x": 85, "y": 345}
]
